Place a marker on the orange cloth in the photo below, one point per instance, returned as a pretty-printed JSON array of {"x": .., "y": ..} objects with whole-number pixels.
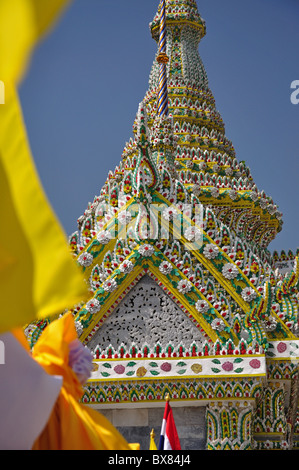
[{"x": 72, "y": 425}]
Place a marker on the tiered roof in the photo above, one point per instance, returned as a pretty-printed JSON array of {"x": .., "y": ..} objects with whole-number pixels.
[{"x": 205, "y": 160}]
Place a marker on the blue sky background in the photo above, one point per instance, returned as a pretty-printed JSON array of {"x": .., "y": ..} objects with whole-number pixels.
[{"x": 86, "y": 79}]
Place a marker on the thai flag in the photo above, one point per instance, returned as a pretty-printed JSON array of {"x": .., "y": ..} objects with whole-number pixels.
[{"x": 169, "y": 439}]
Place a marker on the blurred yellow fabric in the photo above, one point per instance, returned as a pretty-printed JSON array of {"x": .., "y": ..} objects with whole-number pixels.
[
  {"x": 22, "y": 24},
  {"x": 38, "y": 276},
  {"x": 72, "y": 425}
]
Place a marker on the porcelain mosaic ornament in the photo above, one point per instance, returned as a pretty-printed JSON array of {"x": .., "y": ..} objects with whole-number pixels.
[{"x": 185, "y": 297}]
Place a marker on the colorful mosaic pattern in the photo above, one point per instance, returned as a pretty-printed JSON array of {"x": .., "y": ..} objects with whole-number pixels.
[
  {"x": 185, "y": 389},
  {"x": 153, "y": 368},
  {"x": 229, "y": 427},
  {"x": 270, "y": 416},
  {"x": 284, "y": 350}
]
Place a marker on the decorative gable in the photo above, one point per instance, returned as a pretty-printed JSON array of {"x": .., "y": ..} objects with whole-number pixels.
[{"x": 147, "y": 316}]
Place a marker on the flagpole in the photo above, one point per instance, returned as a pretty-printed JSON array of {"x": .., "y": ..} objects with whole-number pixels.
[{"x": 169, "y": 439}]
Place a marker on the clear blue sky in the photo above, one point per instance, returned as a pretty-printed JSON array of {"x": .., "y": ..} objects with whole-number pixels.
[{"x": 87, "y": 77}]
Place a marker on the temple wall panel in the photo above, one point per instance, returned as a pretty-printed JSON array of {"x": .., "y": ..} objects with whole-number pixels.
[{"x": 136, "y": 424}]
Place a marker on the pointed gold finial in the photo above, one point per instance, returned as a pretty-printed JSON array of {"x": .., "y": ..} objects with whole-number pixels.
[
  {"x": 152, "y": 433},
  {"x": 167, "y": 398}
]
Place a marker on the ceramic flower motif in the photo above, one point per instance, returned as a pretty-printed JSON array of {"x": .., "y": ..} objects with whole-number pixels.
[
  {"x": 85, "y": 259},
  {"x": 227, "y": 366},
  {"x": 110, "y": 285},
  {"x": 255, "y": 363},
  {"x": 202, "y": 166},
  {"x": 169, "y": 213},
  {"x": 263, "y": 203},
  {"x": 248, "y": 294},
  {"x": 202, "y": 306},
  {"x": 104, "y": 237},
  {"x": 124, "y": 217},
  {"x": 230, "y": 271},
  {"x": 215, "y": 192},
  {"x": 165, "y": 267},
  {"x": 184, "y": 286},
  {"x": 93, "y": 306},
  {"x": 146, "y": 250},
  {"x": 126, "y": 266},
  {"x": 233, "y": 194},
  {"x": 270, "y": 324},
  {"x": 196, "y": 189},
  {"x": 254, "y": 196},
  {"x": 218, "y": 324},
  {"x": 192, "y": 234},
  {"x": 211, "y": 251}
]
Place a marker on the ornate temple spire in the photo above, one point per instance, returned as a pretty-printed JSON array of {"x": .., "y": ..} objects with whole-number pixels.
[
  {"x": 184, "y": 29},
  {"x": 162, "y": 59},
  {"x": 189, "y": 134}
]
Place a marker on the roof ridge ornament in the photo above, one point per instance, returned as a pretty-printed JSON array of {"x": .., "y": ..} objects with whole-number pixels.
[{"x": 145, "y": 175}]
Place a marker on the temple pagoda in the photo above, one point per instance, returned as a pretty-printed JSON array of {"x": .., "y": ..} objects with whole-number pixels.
[{"x": 185, "y": 297}]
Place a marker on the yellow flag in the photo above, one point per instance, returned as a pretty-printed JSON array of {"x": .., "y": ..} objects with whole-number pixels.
[
  {"x": 38, "y": 277},
  {"x": 152, "y": 441},
  {"x": 22, "y": 23}
]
